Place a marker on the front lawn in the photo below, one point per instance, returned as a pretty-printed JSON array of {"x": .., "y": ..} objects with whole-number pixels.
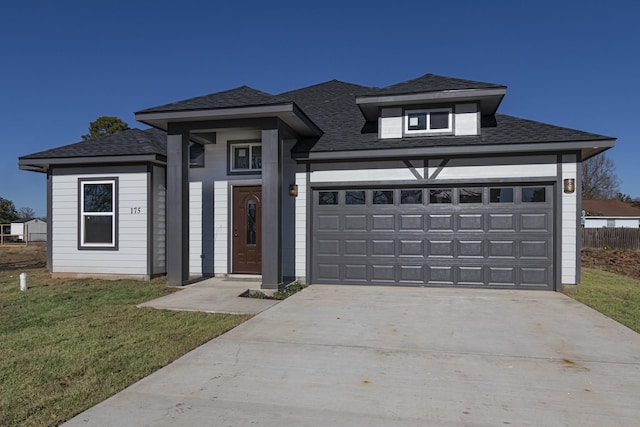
[
  {"x": 614, "y": 295},
  {"x": 66, "y": 345}
]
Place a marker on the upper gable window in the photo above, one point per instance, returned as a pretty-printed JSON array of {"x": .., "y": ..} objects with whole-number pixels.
[
  {"x": 245, "y": 157},
  {"x": 424, "y": 122}
]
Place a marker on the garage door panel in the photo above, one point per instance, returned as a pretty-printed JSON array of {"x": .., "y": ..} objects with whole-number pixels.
[
  {"x": 440, "y": 248},
  {"x": 440, "y": 275},
  {"x": 355, "y": 223},
  {"x": 490, "y": 244},
  {"x": 328, "y": 222},
  {"x": 383, "y": 273},
  {"x": 502, "y": 249},
  {"x": 411, "y": 273},
  {"x": 534, "y": 222},
  {"x": 472, "y": 222},
  {"x": 502, "y": 276},
  {"x": 412, "y": 222},
  {"x": 355, "y": 272},
  {"x": 383, "y": 223},
  {"x": 355, "y": 248},
  {"x": 441, "y": 222},
  {"x": 411, "y": 248},
  {"x": 383, "y": 248},
  {"x": 470, "y": 249},
  {"x": 471, "y": 275},
  {"x": 329, "y": 247},
  {"x": 502, "y": 222},
  {"x": 534, "y": 249}
]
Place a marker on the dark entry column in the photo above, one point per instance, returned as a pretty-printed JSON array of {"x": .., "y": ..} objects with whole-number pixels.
[
  {"x": 177, "y": 208},
  {"x": 271, "y": 202}
]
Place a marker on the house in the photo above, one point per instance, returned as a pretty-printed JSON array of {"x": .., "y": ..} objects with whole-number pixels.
[
  {"x": 611, "y": 213},
  {"x": 419, "y": 183},
  {"x": 33, "y": 230}
]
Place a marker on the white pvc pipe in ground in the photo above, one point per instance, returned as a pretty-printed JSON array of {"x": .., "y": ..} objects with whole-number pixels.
[{"x": 23, "y": 281}]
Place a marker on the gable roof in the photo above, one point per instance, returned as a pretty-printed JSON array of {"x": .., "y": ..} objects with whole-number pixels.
[
  {"x": 243, "y": 96},
  {"x": 127, "y": 145},
  {"x": 611, "y": 208}
]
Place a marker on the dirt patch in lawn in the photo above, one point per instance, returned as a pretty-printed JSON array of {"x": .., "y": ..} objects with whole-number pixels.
[
  {"x": 13, "y": 257},
  {"x": 625, "y": 262}
]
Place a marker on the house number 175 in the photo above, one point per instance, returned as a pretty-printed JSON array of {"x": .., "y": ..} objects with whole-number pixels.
[{"x": 136, "y": 210}]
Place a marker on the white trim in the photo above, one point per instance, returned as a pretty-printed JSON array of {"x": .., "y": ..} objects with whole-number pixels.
[
  {"x": 427, "y": 113},
  {"x": 112, "y": 213}
]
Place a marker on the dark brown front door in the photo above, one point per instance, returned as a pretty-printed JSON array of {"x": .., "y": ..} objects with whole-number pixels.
[{"x": 247, "y": 230}]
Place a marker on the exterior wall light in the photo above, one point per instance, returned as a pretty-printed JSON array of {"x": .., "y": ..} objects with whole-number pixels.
[
  {"x": 569, "y": 185},
  {"x": 293, "y": 190}
]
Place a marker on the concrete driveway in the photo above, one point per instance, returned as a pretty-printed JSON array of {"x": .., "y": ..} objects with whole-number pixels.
[{"x": 384, "y": 356}]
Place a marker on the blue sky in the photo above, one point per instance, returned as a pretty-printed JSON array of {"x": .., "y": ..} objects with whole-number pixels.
[{"x": 65, "y": 63}]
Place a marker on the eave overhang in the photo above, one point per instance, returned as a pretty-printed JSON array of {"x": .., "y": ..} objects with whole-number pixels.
[
  {"x": 487, "y": 99},
  {"x": 586, "y": 148},
  {"x": 44, "y": 164},
  {"x": 289, "y": 113}
]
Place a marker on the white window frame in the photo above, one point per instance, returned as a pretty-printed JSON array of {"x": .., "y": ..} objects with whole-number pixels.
[
  {"x": 249, "y": 146},
  {"x": 428, "y": 130},
  {"x": 82, "y": 243}
]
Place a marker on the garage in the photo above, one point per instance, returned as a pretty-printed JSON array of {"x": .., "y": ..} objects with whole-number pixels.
[{"x": 497, "y": 236}]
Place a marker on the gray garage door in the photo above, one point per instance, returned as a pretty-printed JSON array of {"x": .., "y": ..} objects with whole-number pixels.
[{"x": 494, "y": 236}]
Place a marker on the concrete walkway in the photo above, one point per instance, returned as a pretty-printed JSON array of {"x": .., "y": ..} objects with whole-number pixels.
[
  {"x": 214, "y": 295},
  {"x": 384, "y": 356}
]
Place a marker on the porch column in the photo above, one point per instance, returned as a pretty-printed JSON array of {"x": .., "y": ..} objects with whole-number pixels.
[
  {"x": 177, "y": 208},
  {"x": 271, "y": 219}
]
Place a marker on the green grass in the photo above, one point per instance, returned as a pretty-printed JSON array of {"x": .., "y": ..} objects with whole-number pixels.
[
  {"x": 66, "y": 345},
  {"x": 615, "y": 296}
]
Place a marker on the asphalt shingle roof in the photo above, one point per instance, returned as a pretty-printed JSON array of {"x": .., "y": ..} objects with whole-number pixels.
[
  {"x": 611, "y": 207},
  {"x": 331, "y": 106},
  {"x": 432, "y": 83},
  {"x": 242, "y": 96},
  {"x": 125, "y": 143}
]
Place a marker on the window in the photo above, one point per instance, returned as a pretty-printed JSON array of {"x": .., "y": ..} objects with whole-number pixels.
[
  {"x": 421, "y": 122},
  {"x": 251, "y": 223},
  {"x": 411, "y": 197},
  {"x": 439, "y": 196},
  {"x": 245, "y": 157},
  {"x": 328, "y": 198},
  {"x": 611, "y": 223},
  {"x": 533, "y": 194},
  {"x": 355, "y": 197},
  {"x": 470, "y": 195},
  {"x": 196, "y": 155},
  {"x": 501, "y": 195},
  {"x": 98, "y": 213},
  {"x": 383, "y": 197}
]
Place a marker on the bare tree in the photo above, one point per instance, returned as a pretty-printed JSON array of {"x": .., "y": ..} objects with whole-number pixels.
[
  {"x": 599, "y": 179},
  {"x": 25, "y": 214}
]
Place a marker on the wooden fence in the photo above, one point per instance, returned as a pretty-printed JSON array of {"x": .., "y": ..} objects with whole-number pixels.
[{"x": 618, "y": 238}]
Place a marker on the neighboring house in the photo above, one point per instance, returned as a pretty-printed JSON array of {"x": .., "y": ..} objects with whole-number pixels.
[
  {"x": 33, "y": 230},
  {"x": 612, "y": 213},
  {"x": 420, "y": 183}
]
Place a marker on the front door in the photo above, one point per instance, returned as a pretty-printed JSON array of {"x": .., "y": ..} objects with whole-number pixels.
[{"x": 247, "y": 230}]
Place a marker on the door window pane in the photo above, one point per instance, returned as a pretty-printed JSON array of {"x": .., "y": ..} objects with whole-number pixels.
[
  {"x": 383, "y": 197},
  {"x": 328, "y": 198},
  {"x": 501, "y": 195},
  {"x": 251, "y": 222},
  {"x": 533, "y": 194},
  {"x": 411, "y": 197},
  {"x": 354, "y": 197},
  {"x": 470, "y": 195},
  {"x": 439, "y": 196}
]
